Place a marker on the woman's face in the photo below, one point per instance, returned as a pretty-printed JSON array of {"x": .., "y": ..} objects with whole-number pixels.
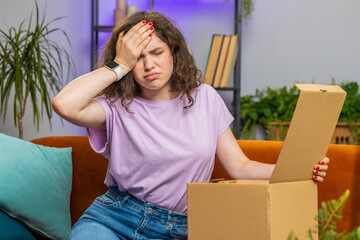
[{"x": 154, "y": 68}]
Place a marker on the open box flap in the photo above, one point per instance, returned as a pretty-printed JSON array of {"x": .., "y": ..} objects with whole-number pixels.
[{"x": 310, "y": 132}]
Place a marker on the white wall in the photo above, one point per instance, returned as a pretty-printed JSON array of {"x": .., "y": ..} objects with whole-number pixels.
[
  {"x": 288, "y": 41},
  {"x": 285, "y": 41},
  {"x": 77, "y": 25}
]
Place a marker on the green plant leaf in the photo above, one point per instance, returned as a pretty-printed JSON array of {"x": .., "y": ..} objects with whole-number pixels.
[
  {"x": 325, "y": 218},
  {"x": 292, "y": 234},
  {"x": 32, "y": 64},
  {"x": 331, "y": 210}
]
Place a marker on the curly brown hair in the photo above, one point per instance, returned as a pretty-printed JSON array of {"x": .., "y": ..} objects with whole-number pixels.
[{"x": 185, "y": 77}]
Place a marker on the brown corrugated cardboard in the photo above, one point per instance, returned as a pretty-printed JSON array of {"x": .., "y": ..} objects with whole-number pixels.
[
  {"x": 292, "y": 205},
  {"x": 309, "y": 135},
  {"x": 217, "y": 210},
  {"x": 262, "y": 209}
]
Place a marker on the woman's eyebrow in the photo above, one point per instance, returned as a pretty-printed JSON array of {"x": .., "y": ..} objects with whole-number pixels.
[
  {"x": 155, "y": 49},
  {"x": 152, "y": 51}
]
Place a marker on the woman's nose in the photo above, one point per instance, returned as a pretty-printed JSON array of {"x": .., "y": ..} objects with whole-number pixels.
[{"x": 148, "y": 63}]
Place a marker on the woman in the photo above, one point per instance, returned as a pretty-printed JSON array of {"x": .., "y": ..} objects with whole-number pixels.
[{"x": 159, "y": 127}]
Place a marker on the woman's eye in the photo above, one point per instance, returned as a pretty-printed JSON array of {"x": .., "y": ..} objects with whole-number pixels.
[{"x": 158, "y": 53}]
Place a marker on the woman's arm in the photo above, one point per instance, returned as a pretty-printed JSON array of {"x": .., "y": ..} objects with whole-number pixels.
[
  {"x": 234, "y": 161},
  {"x": 238, "y": 166},
  {"x": 74, "y": 102}
]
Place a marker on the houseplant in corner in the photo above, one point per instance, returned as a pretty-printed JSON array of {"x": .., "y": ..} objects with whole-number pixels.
[
  {"x": 326, "y": 228},
  {"x": 31, "y": 65},
  {"x": 268, "y": 107},
  {"x": 350, "y": 114},
  {"x": 246, "y": 7},
  {"x": 273, "y": 109}
]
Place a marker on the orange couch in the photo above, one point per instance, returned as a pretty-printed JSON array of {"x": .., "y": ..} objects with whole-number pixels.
[{"x": 89, "y": 171}]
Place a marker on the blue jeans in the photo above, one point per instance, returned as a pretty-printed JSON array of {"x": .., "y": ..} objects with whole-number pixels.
[{"x": 118, "y": 215}]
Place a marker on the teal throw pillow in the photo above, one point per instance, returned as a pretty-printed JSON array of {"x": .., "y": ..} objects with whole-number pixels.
[
  {"x": 35, "y": 185},
  {"x": 12, "y": 229}
]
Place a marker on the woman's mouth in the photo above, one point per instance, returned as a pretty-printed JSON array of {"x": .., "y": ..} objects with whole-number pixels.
[{"x": 151, "y": 76}]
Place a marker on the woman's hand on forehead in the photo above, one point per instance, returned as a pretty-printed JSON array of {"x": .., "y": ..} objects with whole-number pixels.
[{"x": 130, "y": 45}]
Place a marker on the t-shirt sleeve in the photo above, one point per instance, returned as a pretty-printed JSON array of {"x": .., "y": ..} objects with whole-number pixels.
[
  {"x": 223, "y": 117},
  {"x": 99, "y": 138}
]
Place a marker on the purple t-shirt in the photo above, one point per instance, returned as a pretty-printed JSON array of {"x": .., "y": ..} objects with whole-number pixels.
[{"x": 154, "y": 152}]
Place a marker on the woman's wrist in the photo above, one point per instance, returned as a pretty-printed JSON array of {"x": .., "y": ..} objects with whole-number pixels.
[
  {"x": 124, "y": 68},
  {"x": 115, "y": 67}
]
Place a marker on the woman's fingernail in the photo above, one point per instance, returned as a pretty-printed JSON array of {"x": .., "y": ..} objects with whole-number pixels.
[
  {"x": 323, "y": 162},
  {"x": 316, "y": 171},
  {"x": 150, "y": 23},
  {"x": 317, "y": 167},
  {"x": 315, "y": 177},
  {"x": 152, "y": 28},
  {"x": 144, "y": 21},
  {"x": 150, "y": 35}
]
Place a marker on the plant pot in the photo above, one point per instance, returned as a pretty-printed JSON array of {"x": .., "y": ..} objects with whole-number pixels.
[
  {"x": 343, "y": 134},
  {"x": 346, "y": 133},
  {"x": 277, "y": 132}
]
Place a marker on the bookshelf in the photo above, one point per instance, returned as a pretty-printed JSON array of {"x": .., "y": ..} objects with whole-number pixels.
[
  {"x": 96, "y": 29},
  {"x": 237, "y": 72}
]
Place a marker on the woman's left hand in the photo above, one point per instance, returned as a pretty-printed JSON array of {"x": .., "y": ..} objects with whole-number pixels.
[{"x": 320, "y": 170}]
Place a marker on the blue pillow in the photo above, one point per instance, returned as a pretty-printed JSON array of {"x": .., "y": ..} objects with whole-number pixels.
[
  {"x": 35, "y": 185},
  {"x": 12, "y": 229}
]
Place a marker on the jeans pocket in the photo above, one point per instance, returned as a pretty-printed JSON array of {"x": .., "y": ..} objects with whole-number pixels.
[
  {"x": 105, "y": 200},
  {"x": 178, "y": 231}
]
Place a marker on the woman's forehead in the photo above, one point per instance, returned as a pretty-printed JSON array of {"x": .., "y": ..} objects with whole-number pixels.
[{"x": 155, "y": 43}]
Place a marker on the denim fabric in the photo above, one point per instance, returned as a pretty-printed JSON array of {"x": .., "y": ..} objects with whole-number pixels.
[{"x": 118, "y": 215}]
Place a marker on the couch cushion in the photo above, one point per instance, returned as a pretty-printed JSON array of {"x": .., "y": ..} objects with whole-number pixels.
[{"x": 35, "y": 185}]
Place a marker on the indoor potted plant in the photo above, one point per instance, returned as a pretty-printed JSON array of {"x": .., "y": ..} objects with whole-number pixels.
[
  {"x": 268, "y": 107},
  {"x": 245, "y": 9},
  {"x": 350, "y": 115},
  {"x": 273, "y": 109},
  {"x": 31, "y": 65}
]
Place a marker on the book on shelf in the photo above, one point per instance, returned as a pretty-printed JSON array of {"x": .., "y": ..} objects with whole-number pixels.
[
  {"x": 229, "y": 62},
  {"x": 215, "y": 49},
  {"x": 221, "y": 60}
]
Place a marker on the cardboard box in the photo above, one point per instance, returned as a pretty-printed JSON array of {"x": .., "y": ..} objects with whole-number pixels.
[{"x": 270, "y": 209}]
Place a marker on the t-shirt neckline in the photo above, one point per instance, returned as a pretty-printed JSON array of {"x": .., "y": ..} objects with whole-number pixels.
[{"x": 155, "y": 103}]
